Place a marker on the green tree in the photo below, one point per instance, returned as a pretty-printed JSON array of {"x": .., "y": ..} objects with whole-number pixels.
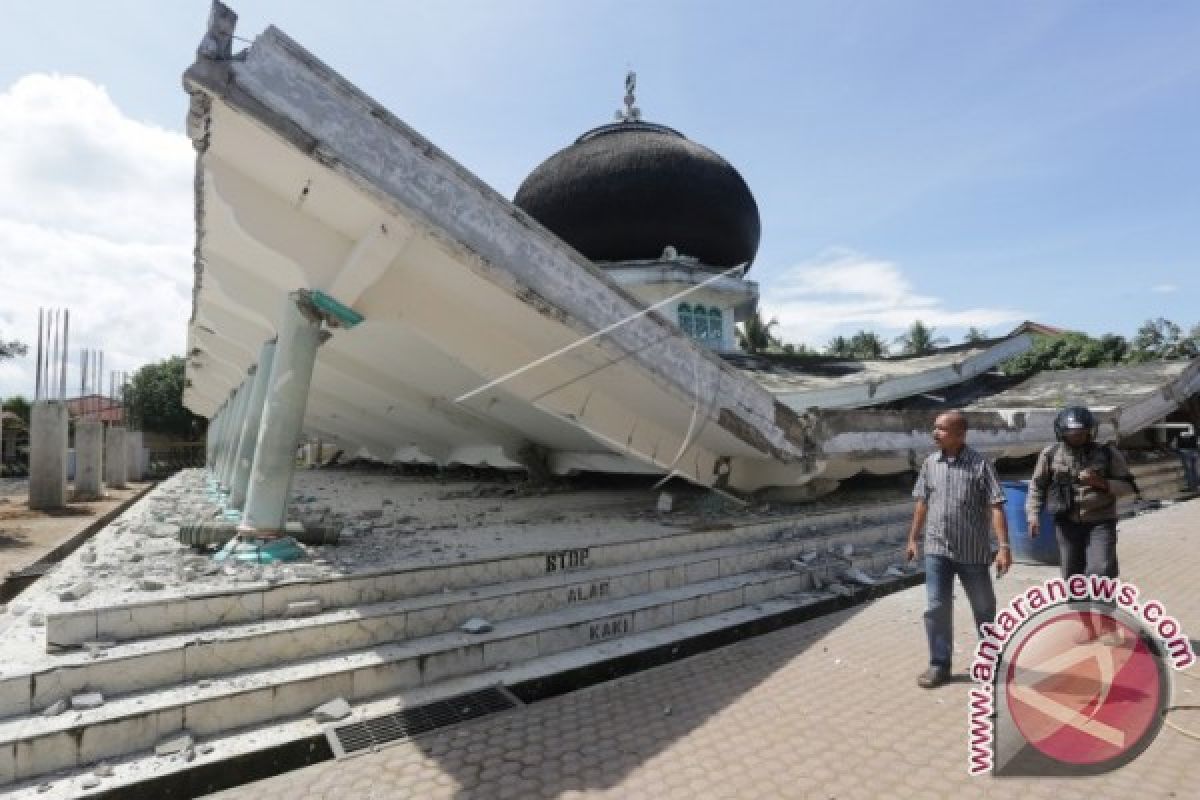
[
  {"x": 839, "y": 346},
  {"x": 18, "y": 405},
  {"x": 1189, "y": 346},
  {"x": 754, "y": 335},
  {"x": 1068, "y": 351},
  {"x": 974, "y": 334},
  {"x": 1113, "y": 348},
  {"x": 868, "y": 344},
  {"x": 155, "y": 400},
  {"x": 919, "y": 339},
  {"x": 1158, "y": 339}
]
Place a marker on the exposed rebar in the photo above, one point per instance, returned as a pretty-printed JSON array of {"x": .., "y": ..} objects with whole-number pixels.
[
  {"x": 62, "y": 381},
  {"x": 37, "y": 391}
]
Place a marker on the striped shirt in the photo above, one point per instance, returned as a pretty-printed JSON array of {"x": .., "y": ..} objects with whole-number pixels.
[{"x": 959, "y": 492}]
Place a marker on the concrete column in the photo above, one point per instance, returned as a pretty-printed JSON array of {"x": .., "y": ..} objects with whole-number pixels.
[
  {"x": 223, "y": 436},
  {"x": 48, "y": 456},
  {"x": 233, "y": 435},
  {"x": 115, "y": 451},
  {"x": 89, "y": 459},
  {"x": 222, "y": 419},
  {"x": 210, "y": 440},
  {"x": 253, "y": 420},
  {"x": 283, "y": 417}
]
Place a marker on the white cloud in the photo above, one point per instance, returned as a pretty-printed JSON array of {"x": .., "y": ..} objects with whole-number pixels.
[
  {"x": 1164, "y": 288},
  {"x": 842, "y": 291},
  {"x": 96, "y": 217}
]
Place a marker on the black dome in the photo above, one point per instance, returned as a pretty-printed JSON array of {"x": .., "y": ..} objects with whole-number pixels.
[{"x": 626, "y": 191}]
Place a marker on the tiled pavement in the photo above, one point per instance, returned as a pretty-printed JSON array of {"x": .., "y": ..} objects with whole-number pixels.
[{"x": 826, "y": 709}]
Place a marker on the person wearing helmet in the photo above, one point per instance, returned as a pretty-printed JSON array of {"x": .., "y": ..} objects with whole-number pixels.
[{"x": 1079, "y": 481}]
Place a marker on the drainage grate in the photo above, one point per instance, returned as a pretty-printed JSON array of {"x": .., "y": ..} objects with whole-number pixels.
[{"x": 358, "y": 737}]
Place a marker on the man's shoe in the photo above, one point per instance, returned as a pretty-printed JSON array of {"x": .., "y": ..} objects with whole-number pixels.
[{"x": 933, "y": 677}]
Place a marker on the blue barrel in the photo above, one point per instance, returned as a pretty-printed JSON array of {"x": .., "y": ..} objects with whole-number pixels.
[{"x": 1027, "y": 550}]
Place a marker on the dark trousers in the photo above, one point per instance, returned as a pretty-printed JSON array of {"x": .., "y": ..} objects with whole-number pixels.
[
  {"x": 1087, "y": 548},
  {"x": 939, "y": 592},
  {"x": 1190, "y": 459}
]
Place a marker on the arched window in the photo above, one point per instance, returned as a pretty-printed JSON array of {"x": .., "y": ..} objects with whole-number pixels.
[
  {"x": 701, "y": 322},
  {"x": 686, "y": 319},
  {"x": 715, "y": 329}
]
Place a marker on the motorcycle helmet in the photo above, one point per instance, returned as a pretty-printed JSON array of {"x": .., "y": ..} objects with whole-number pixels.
[{"x": 1074, "y": 418}]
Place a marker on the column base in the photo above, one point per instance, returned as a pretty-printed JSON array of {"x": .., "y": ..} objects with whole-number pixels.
[{"x": 247, "y": 548}]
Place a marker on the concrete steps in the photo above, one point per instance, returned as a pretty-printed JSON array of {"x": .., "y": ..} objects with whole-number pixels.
[
  {"x": 32, "y": 746},
  {"x": 179, "y": 658},
  {"x": 267, "y": 742},
  {"x": 185, "y": 672},
  {"x": 1159, "y": 480},
  {"x": 265, "y": 601}
]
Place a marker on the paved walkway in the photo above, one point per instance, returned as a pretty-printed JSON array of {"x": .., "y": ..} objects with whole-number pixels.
[{"x": 827, "y": 709}]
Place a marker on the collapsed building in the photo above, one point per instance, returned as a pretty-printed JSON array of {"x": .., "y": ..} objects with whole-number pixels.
[
  {"x": 587, "y": 326},
  {"x": 354, "y": 283}
]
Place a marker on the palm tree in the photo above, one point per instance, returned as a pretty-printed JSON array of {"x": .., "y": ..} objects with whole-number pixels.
[
  {"x": 975, "y": 335},
  {"x": 754, "y": 336},
  {"x": 919, "y": 339},
  {"x": 867, "y": 344}
]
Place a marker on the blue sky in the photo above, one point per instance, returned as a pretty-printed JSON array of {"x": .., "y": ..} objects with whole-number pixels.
[{"x": 959, "y": 162}]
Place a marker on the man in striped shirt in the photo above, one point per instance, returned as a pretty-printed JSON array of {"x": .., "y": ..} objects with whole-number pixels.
[{"x": 956, "y": 492}]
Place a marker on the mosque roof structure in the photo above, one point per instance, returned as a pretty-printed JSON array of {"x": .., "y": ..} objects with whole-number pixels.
[{"x": 629, "y": 190}]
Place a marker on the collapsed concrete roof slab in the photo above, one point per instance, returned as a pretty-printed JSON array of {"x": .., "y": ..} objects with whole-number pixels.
[
  {"x": 484, "y": 334},
  {"x": 803, "y": 383},
  {"x": 1134, "y": 395},
  {"x": 1013, "y": 423}
]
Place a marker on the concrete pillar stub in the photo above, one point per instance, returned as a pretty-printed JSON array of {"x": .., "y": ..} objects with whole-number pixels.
[
  {"x": 89, "y": 459},
  {"x": 244, "y": 461},
  {"x": 115, "y": 451},
  {"x": 283, "y": 417},
  {"x": 135, "y": 457},
  {"x": 48, "y": 456}
]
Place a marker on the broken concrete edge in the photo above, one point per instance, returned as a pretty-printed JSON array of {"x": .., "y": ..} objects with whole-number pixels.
[
  {"x": 200, "y": 779},
  {"x": 16, "y": 582}
]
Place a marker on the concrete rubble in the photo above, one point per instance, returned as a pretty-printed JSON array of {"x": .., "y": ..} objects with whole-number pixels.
[
  {"x": 86, "y": 700},
  {"x": 75, "y": 592},
  {"x": 175, "y": 745},
  {"x": 334, "y": 710},
  {"x": 56, "y": 708},
  {"x": 476, "y": 625},
  {"x": 856, "y": 575}
]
